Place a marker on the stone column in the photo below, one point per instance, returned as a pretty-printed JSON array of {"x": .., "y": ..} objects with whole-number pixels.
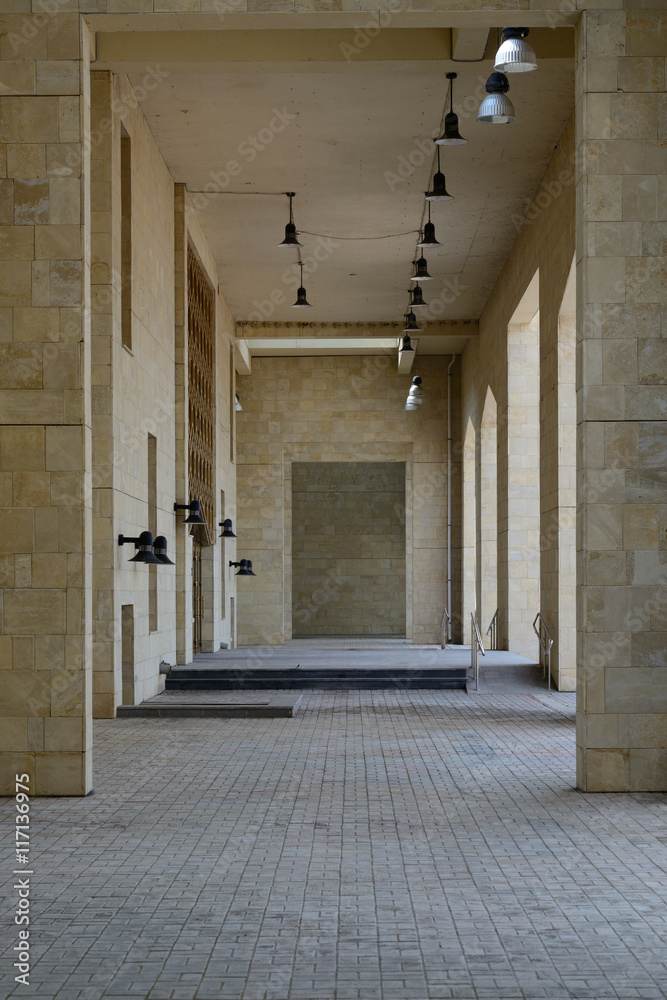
[
  {"x": 621, "y": 116},
  {"x": 45, "y": 452}
]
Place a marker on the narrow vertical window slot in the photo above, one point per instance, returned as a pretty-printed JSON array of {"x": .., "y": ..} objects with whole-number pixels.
[
  {"x": 126, "y": 238},
  {"x": 152, "y": 527}
]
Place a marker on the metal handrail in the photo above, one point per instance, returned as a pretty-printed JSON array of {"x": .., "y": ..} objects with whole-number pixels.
[
  {"x": 492, "y": 631},
  {"x": 546, "y": 642},
  {"x": 476, "y": 647},
  {"x": 445, "y": 629}
]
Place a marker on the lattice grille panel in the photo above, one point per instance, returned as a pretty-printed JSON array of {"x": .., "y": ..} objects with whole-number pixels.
[{"x": 201, "y": 390}]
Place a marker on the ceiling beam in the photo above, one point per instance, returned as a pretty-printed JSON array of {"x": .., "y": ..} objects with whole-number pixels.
[{"x": 469, "y": 43}]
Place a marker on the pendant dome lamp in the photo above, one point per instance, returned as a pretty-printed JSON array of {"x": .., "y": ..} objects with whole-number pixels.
[
  {"x": 421, "y": 270},
  {"x": 451, "y": 137},
  {"x": 417, "y": 299},
  {"x": 290, "y": 229},
  {"x": 406, "y": 347},
  {"x": 515, "y": 55},
  {"x": 301, "y": 300},
  {"x": 439, "y": 192},
  {"x": 427, "y": 238},
  {"x": 411, "y": 325},
  {"x": 496, "y": 108}
]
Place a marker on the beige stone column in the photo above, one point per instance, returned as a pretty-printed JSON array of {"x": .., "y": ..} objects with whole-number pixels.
[
  {"x": 518, "y": 493},
  {"x": 45, "y": 453},
  {"x": 622, "y": 400}
]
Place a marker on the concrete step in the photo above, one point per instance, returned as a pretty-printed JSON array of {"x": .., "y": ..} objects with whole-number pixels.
[
  {"x": 236, "y": 679},
  {"x": 278, "y": 707}
]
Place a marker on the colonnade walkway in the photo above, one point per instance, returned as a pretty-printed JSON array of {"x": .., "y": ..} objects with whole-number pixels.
[{"x": 380, "y": 845}]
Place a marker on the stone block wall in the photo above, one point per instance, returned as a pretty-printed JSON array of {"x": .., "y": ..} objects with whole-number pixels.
[
  {"x": 348, "y": 548},
  {"x": 529, "y": 550},
  {"x": 342, "y": 409},
  {"x": 622, "y": 399}
]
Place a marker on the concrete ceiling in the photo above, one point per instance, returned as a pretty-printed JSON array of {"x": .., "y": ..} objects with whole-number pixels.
[{"x": 344, "y": 141}]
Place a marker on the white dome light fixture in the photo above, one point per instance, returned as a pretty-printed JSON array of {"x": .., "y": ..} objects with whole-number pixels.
[
  {"x": 515, "y": 55},
  {"x": 496, "y": 108}
]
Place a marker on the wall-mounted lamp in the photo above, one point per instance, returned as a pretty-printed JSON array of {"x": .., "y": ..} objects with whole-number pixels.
[
  {"x": 245, "y": 567},
  {"x": 144, "y": 543},
  {"x": 195, "y": 512},
  {"x": 226, "y": 526},
  {"x": 160, "y": 551},
  {"x": 237, "y": 404}
]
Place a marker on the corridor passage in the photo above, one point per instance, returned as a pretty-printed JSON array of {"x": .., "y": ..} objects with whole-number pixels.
[{"x": 381, "y": 845}]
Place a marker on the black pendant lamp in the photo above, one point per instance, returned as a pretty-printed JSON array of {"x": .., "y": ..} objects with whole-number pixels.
[
  {"x": 417, "y": 297},
  {"x": 290, "y": 229},
  {"x": 411, "y": 325},
  {"x": 428, "y": 236},
  {"x": 439, "y": 192},
  {"x": 406, "y": 347},
  {"x": 421, "y": 271},
  {"x": 226, "y": 526},
  {"x": 160, "y": 551},
  {"x": 451, "y": 137},
  {"x": 301, "y": 300}
]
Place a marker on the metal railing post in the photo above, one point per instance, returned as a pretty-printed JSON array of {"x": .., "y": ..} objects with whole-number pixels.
[
  {"x": 476, "y": 647},
  {"x": 545, "y": 642},
  {"x": 444, "y": 628}
]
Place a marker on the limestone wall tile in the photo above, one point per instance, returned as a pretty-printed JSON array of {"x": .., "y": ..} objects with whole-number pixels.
[
  {"x": 633, "y": 116},
  {"x": 38, "y": 612}
]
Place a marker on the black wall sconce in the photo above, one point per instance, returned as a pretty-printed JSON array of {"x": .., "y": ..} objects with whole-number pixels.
[
  {"x": 195, "y": 512},
  {"x": 144, "y": 543},
  {"x": 160, "y": 551},
  {"x": 226, "y": 526},
  {"x": 245, "y": 567}
]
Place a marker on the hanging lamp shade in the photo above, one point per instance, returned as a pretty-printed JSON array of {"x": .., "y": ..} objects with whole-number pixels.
[
  {"x": 301, "y": 300},
  {"x": 515, "y": 55},
  {"x": 417, "y": 298},
  {"x": 160, "y": 550},
  {"x": 411, "y": 325},
  {"x": 496, "y": 108},
  {"x": 290, "y": 229},
  {"x": 416, "y": 392},
  {"x": 439, "y": 191},
  {"x": 421, "y": 271},
  {"x": 406, "y": 347},
  {"x": 428, "y": 238},
  {"x": 451, "y": 137}
]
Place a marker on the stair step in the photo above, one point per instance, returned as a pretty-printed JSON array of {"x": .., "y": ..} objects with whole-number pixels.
[
  {"x": 230, "y": 679},
  {"x": 278, "y": 707}
]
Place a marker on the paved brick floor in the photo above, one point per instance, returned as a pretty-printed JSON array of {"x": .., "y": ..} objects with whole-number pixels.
[{"x": 382, "y": 845}]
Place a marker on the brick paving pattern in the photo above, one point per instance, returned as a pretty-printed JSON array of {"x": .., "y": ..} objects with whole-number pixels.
[{"x": 382, "y": 845}]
